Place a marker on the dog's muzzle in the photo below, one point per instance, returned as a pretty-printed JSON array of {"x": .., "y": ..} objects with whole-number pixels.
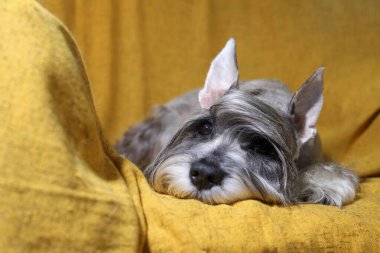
[{"x": 205, "y": 174}]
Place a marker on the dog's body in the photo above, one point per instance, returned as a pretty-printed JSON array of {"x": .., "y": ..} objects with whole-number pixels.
[{"x": 235, "y": 140}]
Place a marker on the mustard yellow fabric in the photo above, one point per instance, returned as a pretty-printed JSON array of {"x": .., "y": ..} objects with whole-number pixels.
[
  {"x": 62, "y": 187},
  {"x": 142, "y": 53}
]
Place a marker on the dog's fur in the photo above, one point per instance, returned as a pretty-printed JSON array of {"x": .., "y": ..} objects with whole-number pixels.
[{"x": 235, "y": 140}]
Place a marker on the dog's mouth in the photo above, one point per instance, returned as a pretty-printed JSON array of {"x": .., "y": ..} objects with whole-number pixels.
[{"x": 229, "y": 191}]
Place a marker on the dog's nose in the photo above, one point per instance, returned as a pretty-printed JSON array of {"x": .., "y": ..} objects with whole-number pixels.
[{"x": 205, "y": 175}]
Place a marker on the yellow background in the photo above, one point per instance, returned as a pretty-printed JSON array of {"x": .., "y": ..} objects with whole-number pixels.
[
  {"x": 62, "y": 187},
  {"x": 141, "y": 53}
]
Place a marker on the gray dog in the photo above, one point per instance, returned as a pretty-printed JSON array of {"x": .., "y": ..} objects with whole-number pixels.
[{"x": 236, "y": 140}]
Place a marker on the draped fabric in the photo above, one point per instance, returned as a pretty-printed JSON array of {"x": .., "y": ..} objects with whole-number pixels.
[
  {"x": 64, "y": 189},
  {"x": 142, "y": 53}
]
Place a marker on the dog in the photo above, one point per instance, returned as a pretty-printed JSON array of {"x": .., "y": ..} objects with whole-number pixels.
[{"x": 235, "y": 140}]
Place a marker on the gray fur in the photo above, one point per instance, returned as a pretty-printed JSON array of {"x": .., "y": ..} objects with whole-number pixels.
[
  {"x": 263, "y": 138},
  {"x": 142, "y": 142}
]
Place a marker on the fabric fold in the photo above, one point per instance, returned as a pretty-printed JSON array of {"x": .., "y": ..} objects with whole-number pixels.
[{"x": 60, "y": 188}]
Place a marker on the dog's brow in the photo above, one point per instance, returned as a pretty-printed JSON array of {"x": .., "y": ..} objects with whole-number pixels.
[
  {"x": 196, "y": 122},
  {"x": 256, "y": 92}
]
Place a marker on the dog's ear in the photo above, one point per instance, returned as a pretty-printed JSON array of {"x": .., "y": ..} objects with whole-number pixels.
[
  {"x": 305, "y": 106},
  {"x": 223, "y": 73}
]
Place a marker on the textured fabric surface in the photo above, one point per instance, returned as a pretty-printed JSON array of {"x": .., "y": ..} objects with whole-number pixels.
[
  {"x": 60, "y": 189},
  {"x": 140, "y": 53},
  {"x": 63, "y": 189}
]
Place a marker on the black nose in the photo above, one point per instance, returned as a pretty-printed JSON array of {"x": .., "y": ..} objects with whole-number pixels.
[{"x": 204, "y": 174}]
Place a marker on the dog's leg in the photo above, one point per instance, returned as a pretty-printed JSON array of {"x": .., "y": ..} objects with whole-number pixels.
[{"x": 327, "y": 183}]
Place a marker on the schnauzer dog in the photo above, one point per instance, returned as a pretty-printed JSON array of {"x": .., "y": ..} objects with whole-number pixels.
[{"x": 235, "y": 140}]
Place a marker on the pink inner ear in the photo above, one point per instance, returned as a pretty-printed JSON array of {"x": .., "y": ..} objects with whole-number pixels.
[
  {"x": 205, "y": 100},
  {"x": 209, "y": 98},
  {"x": 222, "y": 74}
]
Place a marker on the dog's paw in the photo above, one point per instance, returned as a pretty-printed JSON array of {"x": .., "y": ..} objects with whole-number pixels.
[{"x": 328, "y": 184}]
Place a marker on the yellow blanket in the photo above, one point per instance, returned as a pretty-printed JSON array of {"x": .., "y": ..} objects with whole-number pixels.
[{"x": 63, "y": 189}]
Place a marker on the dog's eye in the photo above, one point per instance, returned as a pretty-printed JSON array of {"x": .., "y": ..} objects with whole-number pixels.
[
  {"x": 205, "y": 128},
  {"x": 260, "y": 146}
]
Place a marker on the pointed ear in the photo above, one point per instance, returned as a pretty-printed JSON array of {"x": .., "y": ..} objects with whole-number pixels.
[
  {"x": 305, "y": 106},
  {"x": 222, "y": 74}
]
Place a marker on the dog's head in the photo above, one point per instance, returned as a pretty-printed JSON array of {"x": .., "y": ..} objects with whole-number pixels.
[{"x": 240, "y": 145}]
